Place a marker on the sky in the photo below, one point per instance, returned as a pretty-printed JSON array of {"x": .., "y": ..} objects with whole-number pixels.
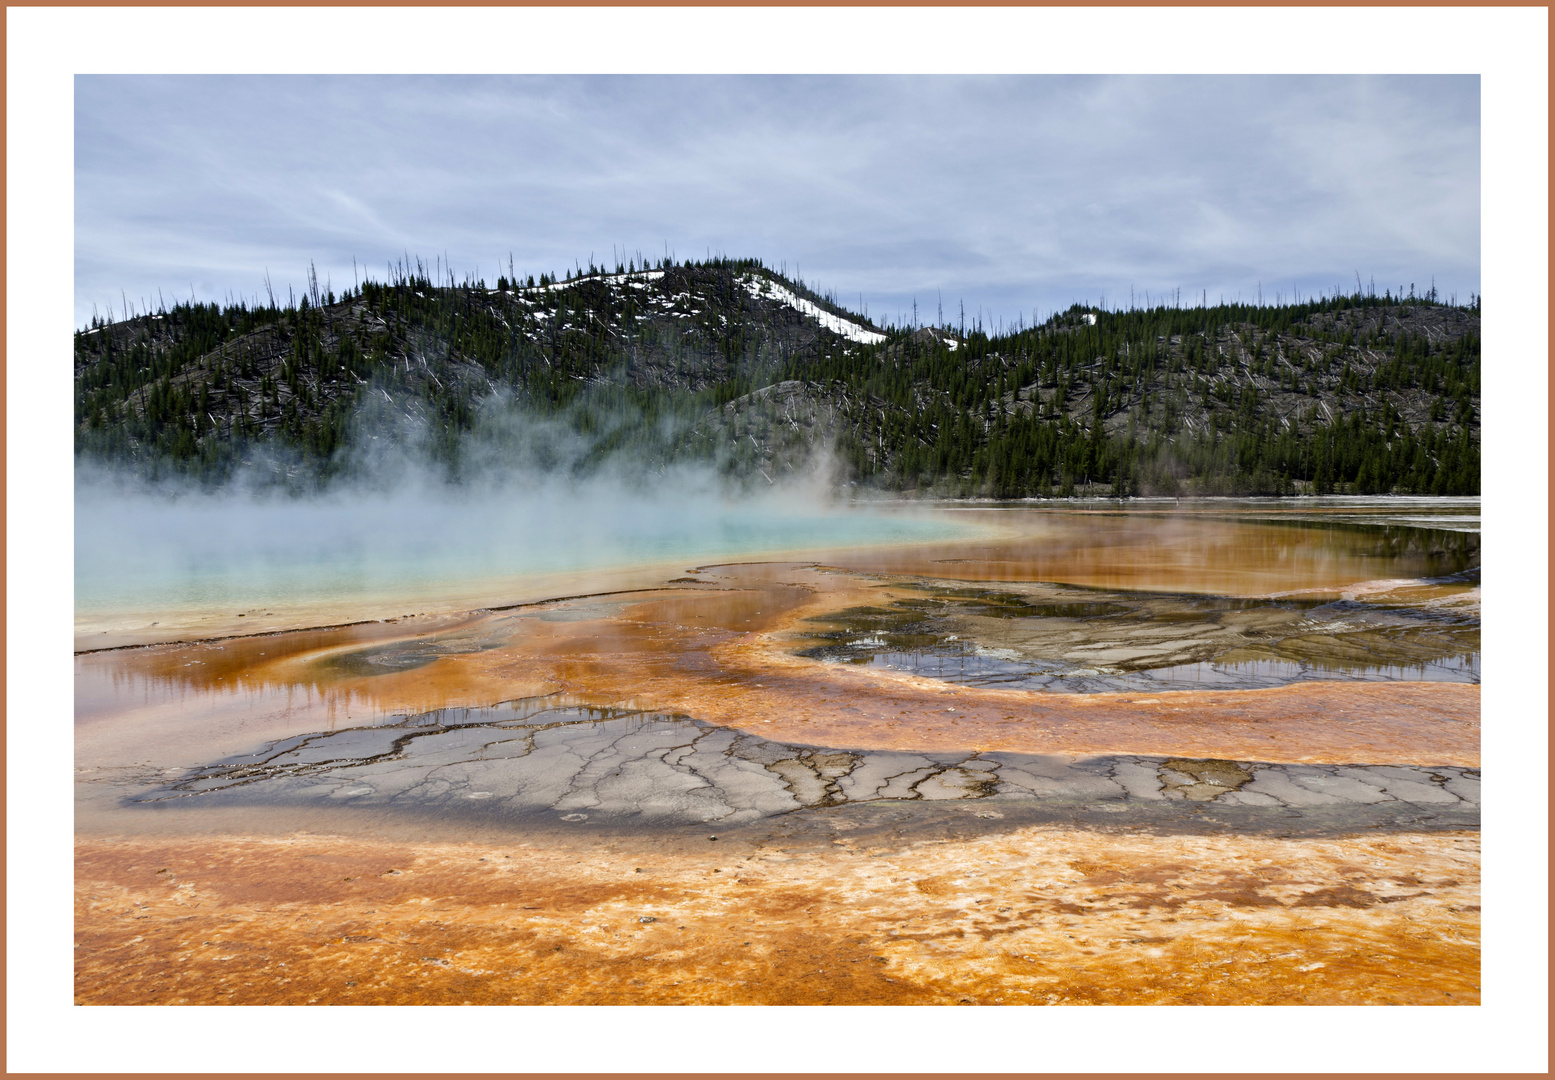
[{"x": 1008, "y": 196}]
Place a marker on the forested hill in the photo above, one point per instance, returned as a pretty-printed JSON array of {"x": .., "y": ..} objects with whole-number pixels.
[{"x": 728, "y": 362}]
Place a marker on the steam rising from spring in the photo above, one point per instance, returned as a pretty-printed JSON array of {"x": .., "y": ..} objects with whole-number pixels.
[{"x": 516, "y": 497}]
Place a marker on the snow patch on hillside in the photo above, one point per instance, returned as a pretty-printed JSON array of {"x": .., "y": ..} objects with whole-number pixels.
[
  {"x": 638, "y": 279},
  {"x": 770, "y": 290},
  {"x": 944, "y": 338}
]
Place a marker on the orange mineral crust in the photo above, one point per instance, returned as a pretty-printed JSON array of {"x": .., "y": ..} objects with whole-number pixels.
[
  {"x": 748, "y": 680},
  {"x": 1335, "y": 723},
  {"x": 721, "y": 648},
  {"x": 1036, "y": 915},
  {"x": 1201, "y": 552}
]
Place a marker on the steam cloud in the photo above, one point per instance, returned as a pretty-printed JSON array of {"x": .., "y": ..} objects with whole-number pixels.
[{"x": 517, "y": 496}]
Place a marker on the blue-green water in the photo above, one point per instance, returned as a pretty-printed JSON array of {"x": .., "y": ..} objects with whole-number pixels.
[{"x": 139, "y": 552}]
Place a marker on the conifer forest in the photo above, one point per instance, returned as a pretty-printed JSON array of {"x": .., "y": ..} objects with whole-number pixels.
[{"x": 734, "y": 365}]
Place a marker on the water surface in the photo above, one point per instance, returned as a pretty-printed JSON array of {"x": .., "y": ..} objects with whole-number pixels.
[
  {"x": 1094, "y": 604},
  {"x": 169, "y": 559},
  {"x": 1066, "y": 639}
]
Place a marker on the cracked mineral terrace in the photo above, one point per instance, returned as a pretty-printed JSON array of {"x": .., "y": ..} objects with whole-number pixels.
[
  {"x": 523, "y": 759},
  {"x": 1223, "y": 755}
]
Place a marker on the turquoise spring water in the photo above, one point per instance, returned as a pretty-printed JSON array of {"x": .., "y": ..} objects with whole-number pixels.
[{"x": 135, "y": 551}]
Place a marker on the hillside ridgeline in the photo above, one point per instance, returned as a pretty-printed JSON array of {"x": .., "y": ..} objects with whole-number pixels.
[{"x": 728, "y": 363}]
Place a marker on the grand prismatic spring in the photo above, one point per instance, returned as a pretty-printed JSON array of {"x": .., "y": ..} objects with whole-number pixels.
[{"x": 1224, "y": 752}]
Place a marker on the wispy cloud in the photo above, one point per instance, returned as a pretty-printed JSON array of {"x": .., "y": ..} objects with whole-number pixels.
[{"x": 1008, "y": 193}]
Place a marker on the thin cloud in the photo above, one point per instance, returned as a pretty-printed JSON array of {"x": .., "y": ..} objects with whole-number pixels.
[{"x": 1007, "y": 193}]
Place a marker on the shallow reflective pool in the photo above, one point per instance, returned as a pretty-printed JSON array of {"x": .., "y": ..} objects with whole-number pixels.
[{"x": 1064, "y": 639}]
